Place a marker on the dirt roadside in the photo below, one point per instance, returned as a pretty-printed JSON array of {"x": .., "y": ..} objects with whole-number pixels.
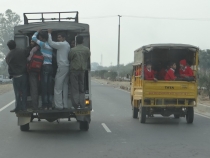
[
  {"x": 126, "y": 86},
  {"x": 4, "y": 88}
]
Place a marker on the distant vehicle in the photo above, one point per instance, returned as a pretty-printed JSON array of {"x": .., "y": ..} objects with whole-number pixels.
[
  {"x": 119, "y": 78},
  {"x": 166, "y": 98},
  {"x": 67, "y": 22},
  {"x": 4, "y": 79},
  {"x": 1, "y": 78},
  {"x": 126, "y": 79}
]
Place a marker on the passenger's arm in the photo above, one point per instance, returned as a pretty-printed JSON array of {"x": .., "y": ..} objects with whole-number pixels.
[
  {"x": 8, "y": 58},
  {"x": 53, "y": 44},
  {"x": 32, "y": 52},
  {"x": 189, "y": 72},
  {"x": 34, "y": 38}
]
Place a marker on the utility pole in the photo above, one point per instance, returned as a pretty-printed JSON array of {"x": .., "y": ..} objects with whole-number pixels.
[
  {"x": 101, "y": 59},
  {"x": 118, "y": 56}
]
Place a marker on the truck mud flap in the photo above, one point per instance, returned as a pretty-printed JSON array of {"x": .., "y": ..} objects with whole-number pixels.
[{"x": 23, "y": 118}]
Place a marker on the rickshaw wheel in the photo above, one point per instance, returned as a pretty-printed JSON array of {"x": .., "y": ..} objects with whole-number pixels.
[
  {"x": 142, "y": 114},
  {"x": 135, "y": 112},
  {"x": 190, "y": 115},
  {"x": 25, "y": 127}
]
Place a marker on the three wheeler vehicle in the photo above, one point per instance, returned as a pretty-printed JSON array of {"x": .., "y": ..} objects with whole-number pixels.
[{"x": 177, "y": 97}]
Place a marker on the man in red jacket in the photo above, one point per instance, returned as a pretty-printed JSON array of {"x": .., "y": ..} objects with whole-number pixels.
[
  {"x": 170, "y": 73},
  {"x": 185, "y": 71},
  {"x": 149, "y": 74}
]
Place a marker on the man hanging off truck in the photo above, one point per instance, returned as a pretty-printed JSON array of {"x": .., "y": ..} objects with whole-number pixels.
[{"x": 78, "y": 58}]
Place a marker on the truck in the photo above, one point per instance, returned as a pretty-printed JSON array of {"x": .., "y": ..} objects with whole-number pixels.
[{"x": 67, "y": 22}]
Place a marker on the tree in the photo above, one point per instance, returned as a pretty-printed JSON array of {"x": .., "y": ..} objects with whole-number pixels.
[
  {"x": 204, "y": 62},
  {"x": 204, "y": 81},
  {"x": 8, "y": 21}
]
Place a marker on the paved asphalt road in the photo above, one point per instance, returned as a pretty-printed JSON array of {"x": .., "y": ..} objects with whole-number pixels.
[{"x": 113, "y": 133}]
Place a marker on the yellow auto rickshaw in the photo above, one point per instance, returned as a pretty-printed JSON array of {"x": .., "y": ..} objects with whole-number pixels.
[{"x": 175, "y": 97}]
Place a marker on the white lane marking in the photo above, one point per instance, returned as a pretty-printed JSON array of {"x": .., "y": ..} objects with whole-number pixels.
[
  {"x": 106, "y": 128},
  {"x": 7, "y": 105},
  {"x": 202, "y": 115}
]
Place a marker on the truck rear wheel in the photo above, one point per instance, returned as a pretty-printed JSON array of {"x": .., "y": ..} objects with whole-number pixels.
[
  {"x": 190, "y": 115},
  {"x": 84, "y": 126},
  {"x": 135, "y": 112},
  {"x": 142, "y": 114},
  {"x": 25, "y": 127}
]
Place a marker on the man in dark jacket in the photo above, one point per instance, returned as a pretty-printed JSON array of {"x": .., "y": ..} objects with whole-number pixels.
[
  {"x": 17, "y": 60},
  {"x": 78, "y": 58}
]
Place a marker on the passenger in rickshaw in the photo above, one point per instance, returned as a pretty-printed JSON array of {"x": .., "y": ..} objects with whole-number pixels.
[
  {"x": 149, "y": 74},
  {"x": 138, "y": 70},
  {"x": 170, "y": 73},
  {"x": 162, "y": 71},
  {"x": 185, "y": 71}
]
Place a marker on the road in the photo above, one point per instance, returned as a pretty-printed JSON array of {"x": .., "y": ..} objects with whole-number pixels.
[{"x": 113, "y": 133}]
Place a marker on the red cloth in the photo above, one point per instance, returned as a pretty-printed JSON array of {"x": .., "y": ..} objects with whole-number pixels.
[
  {"x": 161, "y": 74},
  {"x": 138, "y": 72},
  {"x": 170, "y": 75},
  {"x": 187, "y": 71},
  {"x": 183, "y": 62},
  {"x": 149, "y": 75}
]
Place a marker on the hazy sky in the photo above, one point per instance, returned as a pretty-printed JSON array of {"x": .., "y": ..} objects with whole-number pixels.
[{"x": 135, "y": 32}]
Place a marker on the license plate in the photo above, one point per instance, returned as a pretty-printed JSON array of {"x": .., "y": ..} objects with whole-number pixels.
[{"x": 82, "y": 112}]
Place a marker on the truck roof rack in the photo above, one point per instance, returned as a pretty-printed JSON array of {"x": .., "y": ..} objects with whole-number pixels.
[{"x": 41, "y": 16}]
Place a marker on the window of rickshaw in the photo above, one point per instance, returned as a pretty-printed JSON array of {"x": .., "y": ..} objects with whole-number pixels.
[{"x": 160, "y": 58}]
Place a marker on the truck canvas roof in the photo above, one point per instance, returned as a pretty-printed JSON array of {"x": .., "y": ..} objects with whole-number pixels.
[
  {"x": 64, "y": 25},
  {"x": 167, "y": 46}
]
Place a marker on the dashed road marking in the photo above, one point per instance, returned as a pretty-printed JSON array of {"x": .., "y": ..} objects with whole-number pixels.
[
  {"x": 106, "y": 128},
  {"x": 7, "y": 105}
]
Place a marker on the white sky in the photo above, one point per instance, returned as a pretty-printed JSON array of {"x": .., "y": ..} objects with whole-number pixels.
[{"x": 135, "y": 32}]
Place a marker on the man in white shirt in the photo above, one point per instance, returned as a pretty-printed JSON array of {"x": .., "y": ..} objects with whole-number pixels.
[{"x": 62, "y": 75}]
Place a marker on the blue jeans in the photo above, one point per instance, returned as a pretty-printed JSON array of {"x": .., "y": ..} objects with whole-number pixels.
[
  {"x": 20, "y": 89},
  {"x": 46, "y": 85}
]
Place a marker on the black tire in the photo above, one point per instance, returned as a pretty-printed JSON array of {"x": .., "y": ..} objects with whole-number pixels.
[
  {"x": 135, "y": 112},
  {"x": 84, "y": 126},
  {"x": 142, "y": 114},
  {"x": 176, "y": 116},
  {"x": 25, "y": 127},
  {"x": 190, "y": 115}
]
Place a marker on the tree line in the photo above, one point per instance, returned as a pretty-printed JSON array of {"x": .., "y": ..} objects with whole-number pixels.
[
  {"x": 8, "y": 20},
  {"x": 204, "y": 71},
  {"x": 111, "y": 71}
]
